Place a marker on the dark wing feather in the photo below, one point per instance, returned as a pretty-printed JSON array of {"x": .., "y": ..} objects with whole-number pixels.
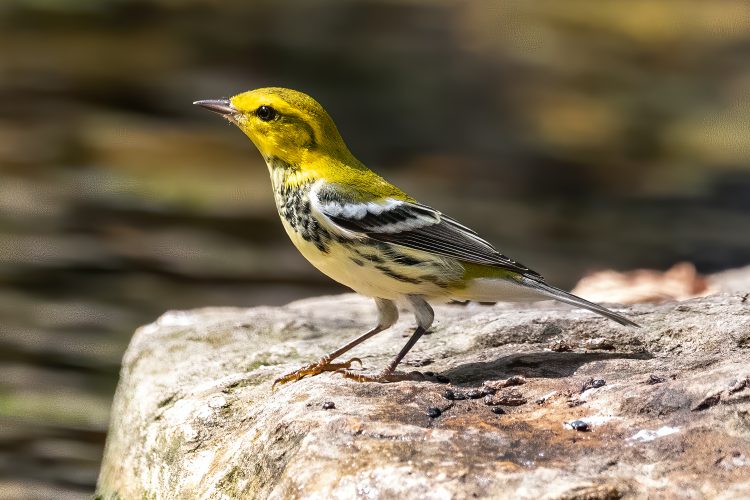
[{"x": 422, "y": 228}]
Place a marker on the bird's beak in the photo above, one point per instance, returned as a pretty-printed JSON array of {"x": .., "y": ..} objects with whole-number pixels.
[{"x": 220, "y": 106}]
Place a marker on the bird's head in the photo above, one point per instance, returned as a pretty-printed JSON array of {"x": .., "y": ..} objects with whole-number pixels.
[{"x": 283, "y": 124}]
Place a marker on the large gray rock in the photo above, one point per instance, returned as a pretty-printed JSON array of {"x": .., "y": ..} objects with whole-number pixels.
[{"x": 195, "y": 417}]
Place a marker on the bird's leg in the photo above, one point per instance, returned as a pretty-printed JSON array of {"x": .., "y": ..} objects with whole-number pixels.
[
  {"x": 387, "y": 316},
  {"x": 389, "y": 372},
  {"x": 424, "y": 315}
]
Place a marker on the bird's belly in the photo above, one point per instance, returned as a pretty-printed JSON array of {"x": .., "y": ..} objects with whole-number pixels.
[{"x": 376, "y": 270}]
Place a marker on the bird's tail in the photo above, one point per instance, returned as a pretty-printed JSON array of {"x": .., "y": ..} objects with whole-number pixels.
[{"x": 569, "y": 298}]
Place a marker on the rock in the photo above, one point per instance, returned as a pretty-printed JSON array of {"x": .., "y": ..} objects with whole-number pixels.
[
  {"x": 680, "y": 282},
  {"x": 195, "y": 417}
]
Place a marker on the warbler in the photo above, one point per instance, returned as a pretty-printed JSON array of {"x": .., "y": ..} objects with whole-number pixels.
[{"x": 368, "y": 234}]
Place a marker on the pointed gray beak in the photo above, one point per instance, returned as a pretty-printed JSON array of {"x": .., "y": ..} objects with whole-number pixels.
[{"x": 220, "y": 106}]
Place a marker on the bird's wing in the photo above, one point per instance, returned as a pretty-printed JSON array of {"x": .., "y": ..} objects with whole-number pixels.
[{"x": 409, "y": 224}]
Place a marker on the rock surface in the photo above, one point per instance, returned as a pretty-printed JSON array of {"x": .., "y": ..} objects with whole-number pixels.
[{"x": 195, "y": 417}]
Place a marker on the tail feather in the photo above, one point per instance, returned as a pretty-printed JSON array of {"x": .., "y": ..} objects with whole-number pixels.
[{"x": 574, "y": 300}]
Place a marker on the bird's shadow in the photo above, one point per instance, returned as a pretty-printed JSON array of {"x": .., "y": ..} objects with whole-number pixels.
[{"x": 543, "y": 364}]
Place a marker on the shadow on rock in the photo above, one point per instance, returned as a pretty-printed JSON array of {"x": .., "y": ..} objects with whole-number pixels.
[{"x": 540, "y": 364}]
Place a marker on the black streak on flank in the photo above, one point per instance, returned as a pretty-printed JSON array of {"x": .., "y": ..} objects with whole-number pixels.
[
  {"x": 357, "y": 261},
  {"x": 397, "y": 276},
  {"x": 372, "y": 258},
  {"x": 406, "y": 260}
]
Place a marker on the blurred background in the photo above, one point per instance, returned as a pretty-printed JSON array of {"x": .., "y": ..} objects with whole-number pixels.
[{"x": 575, "y": 135}]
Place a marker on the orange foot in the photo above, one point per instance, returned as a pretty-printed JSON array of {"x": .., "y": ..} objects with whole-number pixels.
[
  {"x": 382, "y": 377},
  {"x": 323, "y": 365}
]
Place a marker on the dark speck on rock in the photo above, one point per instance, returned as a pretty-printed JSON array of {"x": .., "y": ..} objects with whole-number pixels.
[
  {"x": 434, "y": 412},
  {"x": 593, "y": 383},
  {"x": 579, "y": 425},
  {"x": 655, "y": 379},
  {"x": 450, "y": 395},
  {"x": 497, "y": 410},
  {"x": 329, "y": 405},
  {"x": 475, "y": 394}
]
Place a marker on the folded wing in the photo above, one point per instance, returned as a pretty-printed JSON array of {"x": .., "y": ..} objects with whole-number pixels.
[{"x": 411, "y": 225}]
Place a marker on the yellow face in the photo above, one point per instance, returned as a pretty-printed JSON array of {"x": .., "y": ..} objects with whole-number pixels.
[
  {"x": 291, "y": 130},
  {"x": 285, "y": 124}
]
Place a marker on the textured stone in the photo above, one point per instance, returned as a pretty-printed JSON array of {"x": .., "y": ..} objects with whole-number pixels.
[{"x": 195, "y": 417}]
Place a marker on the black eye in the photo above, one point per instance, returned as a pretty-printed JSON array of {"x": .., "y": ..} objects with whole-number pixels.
[{"x": 266, "y": 113}]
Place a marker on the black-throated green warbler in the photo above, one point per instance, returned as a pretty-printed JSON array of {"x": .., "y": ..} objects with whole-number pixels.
[{"x": 366, "y": 233}]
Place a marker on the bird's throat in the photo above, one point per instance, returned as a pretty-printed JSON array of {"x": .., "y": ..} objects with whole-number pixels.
[{"x": 287, "y": 175}]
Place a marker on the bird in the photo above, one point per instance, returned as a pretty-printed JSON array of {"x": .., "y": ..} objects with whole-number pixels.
[{"x": 369, "y": 235}]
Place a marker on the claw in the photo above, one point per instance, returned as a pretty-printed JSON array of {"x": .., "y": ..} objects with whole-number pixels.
[
  {"x": 382, "y": 377},
  {"x": 323, "y": 365}
]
